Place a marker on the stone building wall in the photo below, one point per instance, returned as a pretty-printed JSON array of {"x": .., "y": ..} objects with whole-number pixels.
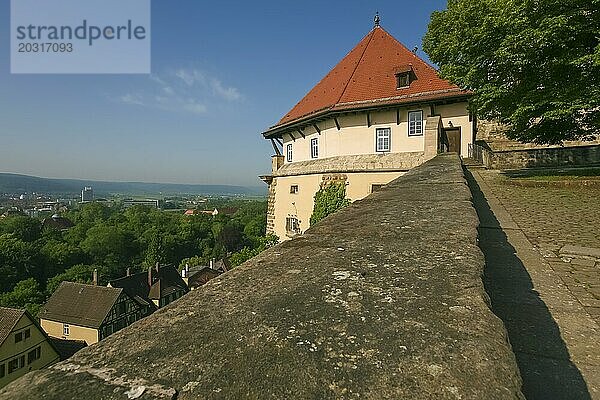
[{"x": 271, "y": 207}]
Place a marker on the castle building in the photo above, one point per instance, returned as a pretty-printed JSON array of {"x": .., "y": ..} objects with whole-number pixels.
[{"x": 378, "y": 113}]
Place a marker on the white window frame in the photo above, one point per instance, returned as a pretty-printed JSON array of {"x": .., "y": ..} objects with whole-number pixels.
[
  {"x": 66, "y": 329},
  {"x": 314, "y": 148},
  {"x": 383, "y": 148},
  {"x": 289, "y": 152},
  {"x": 294, "y": 189},
  {"x": 413, "y": 124}
]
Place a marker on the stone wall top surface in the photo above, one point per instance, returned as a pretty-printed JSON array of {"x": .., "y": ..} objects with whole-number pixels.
[
  {"x": 382, "y": 300},
  {"x": 354, "y": 163}
]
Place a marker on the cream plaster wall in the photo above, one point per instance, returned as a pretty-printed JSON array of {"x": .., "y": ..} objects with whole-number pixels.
[
  {"x": 55, "y": 329},
  {"x": 10, "y": 350},
  {"x": 301, "y": 204},
  {"x": 459, "y": 115},
  {"x": 355, "y": 137}
]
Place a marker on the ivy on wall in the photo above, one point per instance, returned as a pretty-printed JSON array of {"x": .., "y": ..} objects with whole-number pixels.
[{"x": 328, "y": 200}]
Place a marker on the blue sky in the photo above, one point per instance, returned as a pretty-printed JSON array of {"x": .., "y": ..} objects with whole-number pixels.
[{"x": 222, "y": 72}]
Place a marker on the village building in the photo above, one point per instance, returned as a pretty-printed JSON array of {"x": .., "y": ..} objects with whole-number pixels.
[
  {"x": 160, "y": 285},
  {"x": 89, "y": 313},
  {"x": 57, "y": 222},
  {"x": 24, "y": 346},
  {"x": 378, "y": 113},
  {"x": 197, "y": 276}
]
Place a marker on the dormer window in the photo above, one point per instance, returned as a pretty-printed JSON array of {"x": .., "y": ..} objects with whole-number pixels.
[
  {"x": 404, "y": 76},
  {"x": 402, "y": 80}
]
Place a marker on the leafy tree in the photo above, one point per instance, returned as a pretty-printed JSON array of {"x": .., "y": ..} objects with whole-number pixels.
[
  {"x": 23, "y": 228},
  {"x": 231, "y": 236},
  {"x": 60, "y": 255},
  {"x": 155, "y": 253},
  {"x": 328, "y": 200},
  {"x": 533, "y": 64},
  {"x": 26, "y": 294},
  {"x": 78, "y": 273},
  {"x": 192, "y": 262},
  {"x": 18, "y": 261},
  {"x": 111, "y": 246},
  {"x": 248, "y": 252}
]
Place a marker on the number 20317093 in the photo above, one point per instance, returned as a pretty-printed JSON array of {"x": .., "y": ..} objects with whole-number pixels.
[{"x": 45, "y": 47}]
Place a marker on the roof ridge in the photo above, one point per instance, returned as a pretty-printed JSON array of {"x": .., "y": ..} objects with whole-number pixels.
[{"x": 371, "y": 34}]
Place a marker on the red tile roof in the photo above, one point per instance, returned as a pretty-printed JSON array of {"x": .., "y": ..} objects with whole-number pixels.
[{"x": 367, "y": 77}]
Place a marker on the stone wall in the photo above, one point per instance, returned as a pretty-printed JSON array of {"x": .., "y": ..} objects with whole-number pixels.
[
  {"x": 271, "y": 207},
  {"x": 545, "y": 157},
  {"x": 381, "y": 300},
  {"x": 355, "y": 163}
]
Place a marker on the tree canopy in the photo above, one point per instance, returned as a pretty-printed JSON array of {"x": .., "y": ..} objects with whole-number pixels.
[
  {"x": 33, "y": 262},
  {"x": 533, "y": 64}
]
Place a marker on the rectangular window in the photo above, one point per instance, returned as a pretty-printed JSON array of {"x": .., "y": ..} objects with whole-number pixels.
[
  {"x": 27, "y": 333},
  {"x": 294, "y": 189},
  {"x": 415, "y": 123},
  {"x": 13, "y": 365},
  {"x": 2, "y": 370},
  {"x": 382, "y": 139},
  {"x": 34, "y": 354},
  {"x": 18, "y": 337},
  {"x": 289, "y": 152},
  {"x": 376, "y": 186},
  {"x": 292, "y": 225},
  {"x": 314, "y": 148},
  {"x": 65, "y": 329}
]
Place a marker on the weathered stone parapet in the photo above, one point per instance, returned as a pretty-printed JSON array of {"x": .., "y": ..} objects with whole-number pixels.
[
  {"x": 381, "y": 300},
  {"x": 354, "y": 163},
  {"x": 544, "y": 157}
]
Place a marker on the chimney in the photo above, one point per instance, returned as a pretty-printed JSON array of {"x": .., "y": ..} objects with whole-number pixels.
[
  {"x": 187, "y": 269},
  {"x": 128, "y": 271},
  {"x": 95, "y": 277},
  {"x": 149, "y": 276},
  {"x": 212, "y": 262}
]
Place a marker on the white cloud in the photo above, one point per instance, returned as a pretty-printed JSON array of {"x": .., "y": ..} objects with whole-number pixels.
[
  {"x": 187, "y": 90},
  {"x": 131, "y": 99},
  {"x": 228, "y": 93}
]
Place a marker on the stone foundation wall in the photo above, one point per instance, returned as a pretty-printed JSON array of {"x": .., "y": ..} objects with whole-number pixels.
[{"x": 545, "y": 157}]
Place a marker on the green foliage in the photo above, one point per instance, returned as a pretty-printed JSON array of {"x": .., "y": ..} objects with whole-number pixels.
[
  {"x": 23, "y": 228},
  {"x": 533, "y": 64},
  {"x": 248, "y": 252},
  {"x": 328, "y": 200},
  {"x": 33, "y": 263},
  {"x": 26, "y": 294},
  {"x": 78, "y": 273},
  {"x": 18, "y": 261}
]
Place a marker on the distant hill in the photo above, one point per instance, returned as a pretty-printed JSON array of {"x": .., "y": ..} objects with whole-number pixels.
[{"x": 15, "y": 183}]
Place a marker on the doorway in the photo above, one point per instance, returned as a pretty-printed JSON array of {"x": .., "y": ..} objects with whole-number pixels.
[{"x": 453, "y": 139}]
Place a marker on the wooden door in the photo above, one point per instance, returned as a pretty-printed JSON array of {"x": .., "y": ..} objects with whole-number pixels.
[{"x": 453, "y": 136}]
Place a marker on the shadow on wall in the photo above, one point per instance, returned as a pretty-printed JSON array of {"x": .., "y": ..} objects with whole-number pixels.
[{"x": 542, "y": 356}]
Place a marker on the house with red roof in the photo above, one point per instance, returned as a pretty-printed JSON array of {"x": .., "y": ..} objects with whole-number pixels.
[{"x": 378, "y": 113}]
